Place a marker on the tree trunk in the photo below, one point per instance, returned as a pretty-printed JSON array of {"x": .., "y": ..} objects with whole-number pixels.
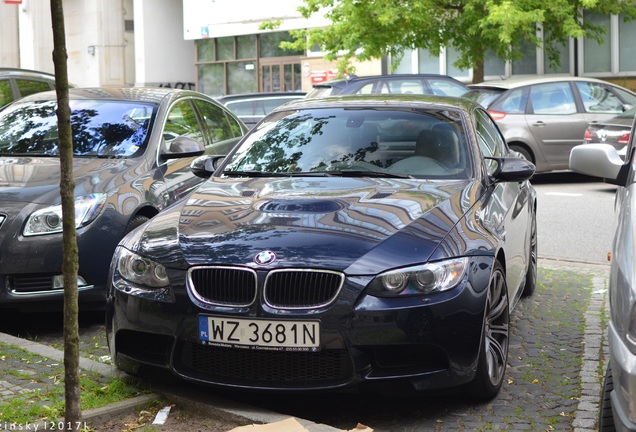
[
  {"x": 478, "y": 72},
  {"x": 73, "y": 413}
]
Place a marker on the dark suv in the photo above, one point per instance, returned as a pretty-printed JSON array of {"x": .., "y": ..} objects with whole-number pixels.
[
  {"x": 399, "y": 83},
  {"x": 17, "y": 83}
]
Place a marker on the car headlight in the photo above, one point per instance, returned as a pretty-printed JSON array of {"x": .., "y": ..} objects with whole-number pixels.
[
  {"x": 49, "y": 220},
  {"x": 421, "y": 279},
  {"x": 140, "y": 270}
]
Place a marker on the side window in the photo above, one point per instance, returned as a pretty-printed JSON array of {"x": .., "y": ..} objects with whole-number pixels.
[
  {"x": 29, "y": 87},
  {"x": 5, "y": 93},
  {"x": 627, "y": 96},
  {"x": 220, "y": 128},
  {"x": 598, "y": 98},
  {"x": 406, "y": 87},
  {"x": 446, "y": 87},
  {"x": 217, "y": 126},
  {"x": 182, "y": 121},
  {"x": 491, "y": 143},
  {"x": 368, "y": 89},
  {"x": 513, "y": 102},
  {"x": 552, "y": 98}
]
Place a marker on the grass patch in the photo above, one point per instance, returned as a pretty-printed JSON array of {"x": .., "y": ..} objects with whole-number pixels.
[{"x": 38, "y": 392}]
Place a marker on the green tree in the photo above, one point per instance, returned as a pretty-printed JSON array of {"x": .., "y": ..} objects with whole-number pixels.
[
  {"x": 370, "y": 29},
  {"x": 70, "y": 263}
]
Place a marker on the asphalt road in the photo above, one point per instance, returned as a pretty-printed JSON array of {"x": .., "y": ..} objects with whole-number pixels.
[{"x": 575, "y": 217}]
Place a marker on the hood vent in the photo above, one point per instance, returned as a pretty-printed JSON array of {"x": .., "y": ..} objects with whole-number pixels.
[
  {"x": 382, "y": 194},
  {"x": 248, "y": 193}
]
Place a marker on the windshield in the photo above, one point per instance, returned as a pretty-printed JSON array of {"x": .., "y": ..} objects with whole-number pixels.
[
  {"x": 360, "y": 142},
  {"x": 100, "y": 128}
]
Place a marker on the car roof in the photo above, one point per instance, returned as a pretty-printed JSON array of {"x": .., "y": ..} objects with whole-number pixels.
[
  {"x": 147, "y": 94},
  {"x": 520, "y": 81},
  {"x": 381, "y": 100},
  {"x": 17, "y": 72},
  {"x": 354, "y": 78},
  {"x": 261, "y": 95}
]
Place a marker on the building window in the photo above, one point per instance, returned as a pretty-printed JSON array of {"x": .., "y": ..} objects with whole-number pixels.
[
  {"x": 626, "y": 37},
  {"x": 246, "y": 47},
  {"x": 211, "y": 79},
  {"x": 597, "y": 57},
  {"x": 231, "y": 65},
  {"x": 225, "y": 48},
  {"x": 205, "y": 50},
  {"x": 527, "y": 64},
  {"x": 270, "y": 45}
]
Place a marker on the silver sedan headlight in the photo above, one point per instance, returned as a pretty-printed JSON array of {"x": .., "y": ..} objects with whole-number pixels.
[
  {"x": 49, "y": 220},
  {"x": 427, "y": 278}
]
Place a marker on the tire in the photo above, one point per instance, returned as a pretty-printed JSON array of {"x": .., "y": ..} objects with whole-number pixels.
[
  {"x": 523, "y": 152},
  {"x": 605, "y": 416},
  {"x": 531, "y": 274},
  {"x": 493, "y": 354},
  {"x": 136, "y": 222}
]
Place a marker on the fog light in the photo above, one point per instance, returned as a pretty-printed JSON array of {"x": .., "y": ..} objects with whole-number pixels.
[{"x": 58, "y": 282}]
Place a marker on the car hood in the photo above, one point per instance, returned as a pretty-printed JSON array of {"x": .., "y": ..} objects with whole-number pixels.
[
  {"x": 360, "y": 226},
  {"x": 37, "y": 179}
]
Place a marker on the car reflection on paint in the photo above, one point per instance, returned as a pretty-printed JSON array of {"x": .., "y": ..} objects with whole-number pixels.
[{"x": 345, "y": 241}]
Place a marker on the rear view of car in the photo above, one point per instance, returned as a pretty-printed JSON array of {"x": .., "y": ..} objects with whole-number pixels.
[
  {"x": 252, "y": 107},
  {"x": 543, "y": 118},
  {"x": 431, "y": 84},
  {"x": 615, "y": 131}
]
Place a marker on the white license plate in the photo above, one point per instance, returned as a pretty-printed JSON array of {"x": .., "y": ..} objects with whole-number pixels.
[{"x": 260, "y": 333}]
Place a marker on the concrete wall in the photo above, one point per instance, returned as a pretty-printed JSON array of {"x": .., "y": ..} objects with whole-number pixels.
[
  {"x": 162, "y": 56},
  {"x": 9, "y": 53}
]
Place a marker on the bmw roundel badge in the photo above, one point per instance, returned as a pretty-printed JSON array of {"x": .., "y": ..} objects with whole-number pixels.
[{"x": 265, "y": 257}]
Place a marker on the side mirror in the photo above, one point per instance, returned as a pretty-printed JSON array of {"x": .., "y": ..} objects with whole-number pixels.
[
  {"x": 597, "y": 160},
  {"x": 513, "y": 169},
  {"x": 205, "y": 166},
  {"x": 182, "y": 147}
]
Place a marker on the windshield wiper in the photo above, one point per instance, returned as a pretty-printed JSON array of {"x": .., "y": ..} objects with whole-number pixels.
[
  {"x": 367, "y": 173},
  {"x": 255, "y": 174}
]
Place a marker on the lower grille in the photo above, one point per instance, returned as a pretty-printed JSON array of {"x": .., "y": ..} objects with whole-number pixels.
[
  {"x": 26, "y": 284},
  {"x": 262, "y": 368}
]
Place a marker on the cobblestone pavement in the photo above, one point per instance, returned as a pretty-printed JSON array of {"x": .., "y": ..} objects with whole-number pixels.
[{"x": 554, "y": 375}]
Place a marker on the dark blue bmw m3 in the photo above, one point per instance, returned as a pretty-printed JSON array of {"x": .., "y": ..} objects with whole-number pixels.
[{"x": 344, "y": 241}]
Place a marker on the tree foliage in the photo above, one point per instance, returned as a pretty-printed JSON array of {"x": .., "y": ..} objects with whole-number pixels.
[{"x": 370, "y": 29}]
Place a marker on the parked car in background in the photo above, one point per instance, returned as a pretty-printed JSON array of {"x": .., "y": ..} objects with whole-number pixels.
[
  {"x": 252, "y": 107},
  {"x": 345, "y": 241},
  {"x": 618, "y": 399},
  {"x": 615, "y": 131},
  {"x": 132, "y": 153},
  {"x": 433, "y": 84},
  {"x": 543, "y": 118},
  {"x": 17, "y": 83}
]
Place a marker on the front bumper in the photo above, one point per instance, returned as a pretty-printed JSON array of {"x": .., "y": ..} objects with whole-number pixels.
[
  {"x": 428, "y": 342},
  {"x": 28, "y": 266}
]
